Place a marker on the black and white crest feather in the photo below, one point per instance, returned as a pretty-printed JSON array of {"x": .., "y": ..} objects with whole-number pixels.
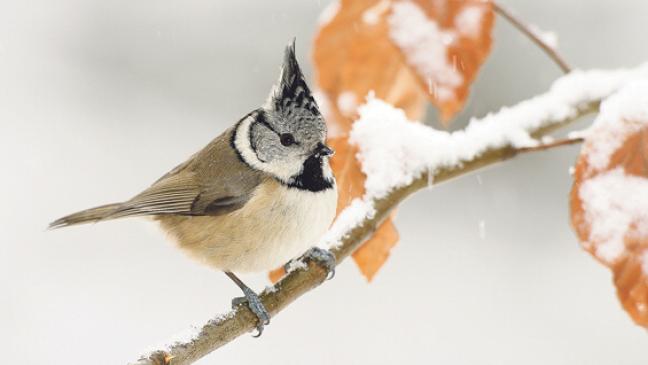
[{"x": 291, "y": 92}]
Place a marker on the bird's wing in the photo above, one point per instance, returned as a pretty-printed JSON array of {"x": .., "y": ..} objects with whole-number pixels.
[
  {"x": 185, "y": 194},
  {"x": 173, "y": 194},
  {"x": 212, "y": 182}
]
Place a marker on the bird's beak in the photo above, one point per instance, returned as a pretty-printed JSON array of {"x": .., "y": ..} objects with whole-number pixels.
[{"x": 323, "y": 150}]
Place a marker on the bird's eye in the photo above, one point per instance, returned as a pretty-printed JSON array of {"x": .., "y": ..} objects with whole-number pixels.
[{"x": 287, "y": 139}]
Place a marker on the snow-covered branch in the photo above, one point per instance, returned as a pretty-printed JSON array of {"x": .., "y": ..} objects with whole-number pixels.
[{"x": 400, "y": 158}]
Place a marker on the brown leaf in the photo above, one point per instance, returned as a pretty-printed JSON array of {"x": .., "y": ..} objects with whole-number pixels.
[
  {"x": 629, "y": 258},
  {"x": 353, "y": 56},
  {"x": 404, "y": 51},
  {"x": 346, "y": 168},
  {"x": 445, "y": 43},
  {"x": 372, "y": 255}
]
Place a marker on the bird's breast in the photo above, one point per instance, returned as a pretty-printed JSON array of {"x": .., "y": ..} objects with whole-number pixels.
[{"x": 277, "y": 224}]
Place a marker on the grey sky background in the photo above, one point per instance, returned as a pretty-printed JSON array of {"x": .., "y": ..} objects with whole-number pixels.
[{"x": 98, "y": 99}]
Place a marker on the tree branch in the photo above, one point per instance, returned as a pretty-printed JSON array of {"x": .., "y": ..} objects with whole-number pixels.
[
  {"x": 223, "y": 329},
  {"x": 526, "y": 30},
  {"x": 565, "y": 106},
  {"x": 550, "y": 145}
]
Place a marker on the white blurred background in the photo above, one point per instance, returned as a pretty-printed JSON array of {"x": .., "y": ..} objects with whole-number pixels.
[{"x": 99, "y": 98}]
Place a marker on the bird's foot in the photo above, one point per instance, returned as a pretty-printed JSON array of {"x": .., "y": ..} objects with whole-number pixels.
[
  {"x": 323, "y": 257},
  {"x": 252, "y": 300}
]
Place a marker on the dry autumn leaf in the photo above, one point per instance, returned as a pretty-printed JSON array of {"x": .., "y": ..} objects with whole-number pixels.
[
  {"x": 371, "y": 257},
  {"x": 445, "y": 43},
  {"x": 353, "y": 54},
  {"x": 609, "y": 202},
  {"x": 406, "y": 52}
]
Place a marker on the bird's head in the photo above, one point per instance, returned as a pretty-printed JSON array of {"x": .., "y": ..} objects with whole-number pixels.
[{"x": 286, "y": 136}]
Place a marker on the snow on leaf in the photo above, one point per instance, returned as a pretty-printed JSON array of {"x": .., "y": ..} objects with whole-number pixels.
[
  {"x": 354, "y": 55},
  {"x": 609, "y": 199},
  {"x": 404, "y": 51},
  {"x": 364, "y": 47},
  {"x": 445, "y": 42},
  {"x": 329, "y": 12}
]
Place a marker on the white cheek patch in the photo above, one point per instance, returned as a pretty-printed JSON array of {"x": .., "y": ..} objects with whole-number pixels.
[
  {"x": 285, "y": 170},
  {"x": 282, "y": 170}
]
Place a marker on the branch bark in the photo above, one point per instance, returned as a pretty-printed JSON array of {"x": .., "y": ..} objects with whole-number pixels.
[{"x": 223, "y": 329}]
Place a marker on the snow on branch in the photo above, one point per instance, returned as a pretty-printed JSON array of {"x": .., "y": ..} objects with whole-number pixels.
[
  {"x": 400, "y": 158},
  {"x": 394, "y": 151}
]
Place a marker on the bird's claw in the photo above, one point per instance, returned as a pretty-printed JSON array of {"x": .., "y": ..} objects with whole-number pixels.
[
  {"x": 252, "y": 300},
  {"x": 323, "y": 257}
]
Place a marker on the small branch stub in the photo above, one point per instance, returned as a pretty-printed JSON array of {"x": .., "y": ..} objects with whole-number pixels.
[{"x": 526, "y": 30}]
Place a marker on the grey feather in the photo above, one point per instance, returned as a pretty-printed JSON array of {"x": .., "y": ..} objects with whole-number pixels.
[{"x": 85, "y": 216}]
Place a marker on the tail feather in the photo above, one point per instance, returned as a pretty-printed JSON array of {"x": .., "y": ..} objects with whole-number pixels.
[{"x": 87, "y": 216}]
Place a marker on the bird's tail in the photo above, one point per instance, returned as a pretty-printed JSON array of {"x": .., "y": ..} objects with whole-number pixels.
[{"x": 87, "y": 216}]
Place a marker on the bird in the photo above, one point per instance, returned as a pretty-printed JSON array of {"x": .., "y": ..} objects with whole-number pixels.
[{"x": 257, "y": 196}]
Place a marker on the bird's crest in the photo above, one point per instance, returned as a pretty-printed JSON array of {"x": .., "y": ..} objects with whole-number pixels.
[{"x": 291, "y": 92}]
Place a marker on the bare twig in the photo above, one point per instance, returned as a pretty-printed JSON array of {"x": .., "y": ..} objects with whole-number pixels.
[{"x": 526, "y": 30}]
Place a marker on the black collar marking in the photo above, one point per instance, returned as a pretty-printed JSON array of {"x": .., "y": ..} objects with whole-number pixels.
[
  {"x": 312, "y": 177},
  {"x": 233, "y": 140}
]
